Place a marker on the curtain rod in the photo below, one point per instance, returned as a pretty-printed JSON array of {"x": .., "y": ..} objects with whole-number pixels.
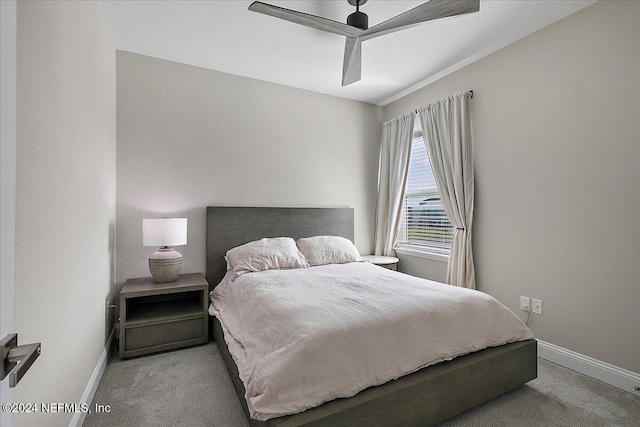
[{"x": 416, "y": 110}]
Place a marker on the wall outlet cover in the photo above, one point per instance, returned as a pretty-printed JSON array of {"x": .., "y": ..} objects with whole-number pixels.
[
  {"x": 537, "y": 306},
  {"x": 525, "y": 304}
]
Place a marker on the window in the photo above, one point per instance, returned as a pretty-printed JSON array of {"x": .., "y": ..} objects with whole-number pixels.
[{"x": 424, "y": 224}]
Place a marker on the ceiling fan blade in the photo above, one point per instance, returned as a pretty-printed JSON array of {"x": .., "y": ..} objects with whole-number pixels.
[
  {"x": 305, "y": 19},
  {"x": 351, "y": 67},
  {"x": 434, "y": 9}
]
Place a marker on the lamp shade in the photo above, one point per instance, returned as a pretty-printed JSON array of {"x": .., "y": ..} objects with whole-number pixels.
[{"x": 164, "y": 232}]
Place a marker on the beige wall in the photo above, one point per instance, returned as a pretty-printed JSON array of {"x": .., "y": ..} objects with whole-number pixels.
[
  {"x": 557, "y": 161},
  {"x": 190, "y": 137},
  {"x": 65, "y": 197},
  {"x": 431, "y": 269}
]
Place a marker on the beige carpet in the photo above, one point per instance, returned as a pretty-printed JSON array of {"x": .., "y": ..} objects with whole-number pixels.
[{"x": 191, "y": 388}]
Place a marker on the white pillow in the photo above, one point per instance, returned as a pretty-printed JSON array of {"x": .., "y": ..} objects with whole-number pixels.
[
  {"x": 322, "y": 250},
  {"x": 265, "y": 254}
]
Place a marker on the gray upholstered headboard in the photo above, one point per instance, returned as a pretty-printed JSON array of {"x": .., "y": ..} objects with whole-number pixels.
[{"x": 228, "y": 227}]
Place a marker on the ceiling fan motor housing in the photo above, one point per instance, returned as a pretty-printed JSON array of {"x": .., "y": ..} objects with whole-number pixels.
[{"x": 358, "y": 20}]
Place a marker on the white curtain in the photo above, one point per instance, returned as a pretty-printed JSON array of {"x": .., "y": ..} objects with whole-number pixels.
[
  {"x": 446, "y": 126},
  {"x": 395, "y": 149}
]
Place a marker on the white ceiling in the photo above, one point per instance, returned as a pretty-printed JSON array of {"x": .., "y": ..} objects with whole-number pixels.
[{"x": 225, "y": 36}]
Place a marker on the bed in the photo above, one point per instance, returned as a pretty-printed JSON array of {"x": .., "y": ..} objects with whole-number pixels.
[{"x": 425, "y": 397}]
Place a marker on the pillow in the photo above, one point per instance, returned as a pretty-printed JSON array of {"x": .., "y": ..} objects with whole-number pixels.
[
  {"x": 321, "y": 250},
  {"x": 265, "y": 254}
]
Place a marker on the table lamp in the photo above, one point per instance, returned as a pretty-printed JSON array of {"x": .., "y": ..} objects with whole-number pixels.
[{"x": 165, "y": 263}]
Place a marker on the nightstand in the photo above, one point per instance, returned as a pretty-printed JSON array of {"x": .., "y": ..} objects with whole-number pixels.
[
  {"x": 389, "y": 262},
  {"x": 163, "y": 316}
]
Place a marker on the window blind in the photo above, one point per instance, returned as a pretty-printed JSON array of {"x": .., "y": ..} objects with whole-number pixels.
[{"x": 423, "y": 221}]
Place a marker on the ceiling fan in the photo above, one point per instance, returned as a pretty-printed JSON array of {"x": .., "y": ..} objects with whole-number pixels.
[{"x": 357, "y": 30}]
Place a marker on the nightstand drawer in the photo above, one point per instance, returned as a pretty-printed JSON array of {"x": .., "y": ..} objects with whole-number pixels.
[{"x": 164, "y": 333}]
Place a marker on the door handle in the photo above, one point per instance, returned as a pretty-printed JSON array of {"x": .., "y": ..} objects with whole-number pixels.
[{"x": 17, "y": 359}]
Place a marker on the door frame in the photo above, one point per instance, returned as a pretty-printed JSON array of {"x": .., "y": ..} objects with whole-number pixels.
[{"x": 8, "y": 119}]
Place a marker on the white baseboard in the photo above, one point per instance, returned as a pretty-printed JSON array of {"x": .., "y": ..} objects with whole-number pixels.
[
  {"x": 612, "y": 375},
  {"x": 92, "y": 386}
]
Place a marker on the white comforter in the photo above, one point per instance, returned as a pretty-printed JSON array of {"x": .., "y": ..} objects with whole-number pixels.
[{"x": 303, "y": 337}]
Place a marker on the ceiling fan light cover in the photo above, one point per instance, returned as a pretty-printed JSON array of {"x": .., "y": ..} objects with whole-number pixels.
[{"x": 358, "y": 20}]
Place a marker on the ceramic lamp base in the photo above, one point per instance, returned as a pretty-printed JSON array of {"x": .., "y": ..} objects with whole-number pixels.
[{"x": 165, "y": 265}]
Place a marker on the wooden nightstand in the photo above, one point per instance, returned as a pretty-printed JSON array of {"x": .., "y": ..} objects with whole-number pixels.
[
  {"x": 389, "y": 262},
  {"x": 163, "y": 316}
]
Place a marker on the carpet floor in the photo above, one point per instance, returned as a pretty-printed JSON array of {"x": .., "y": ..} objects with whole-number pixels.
[{"x": 191, "y": 388}]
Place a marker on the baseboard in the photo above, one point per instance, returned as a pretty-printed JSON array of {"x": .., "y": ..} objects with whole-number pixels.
[
  {"x": 612, "y": 375},
  {"x": 92, "y": 386}
]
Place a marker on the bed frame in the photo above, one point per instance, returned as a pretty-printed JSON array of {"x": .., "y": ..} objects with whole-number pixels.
[{"x": 426, "y": 397}]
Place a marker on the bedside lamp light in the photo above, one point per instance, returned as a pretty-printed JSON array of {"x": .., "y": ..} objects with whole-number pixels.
[{"x": 165, "y": 263}]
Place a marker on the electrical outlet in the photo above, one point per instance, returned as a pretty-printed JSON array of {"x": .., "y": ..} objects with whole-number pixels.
[
  {"x": 537, "y": 306},
  {"x": 525, "y": 303},
  {"x": 108, "y": 306}
]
